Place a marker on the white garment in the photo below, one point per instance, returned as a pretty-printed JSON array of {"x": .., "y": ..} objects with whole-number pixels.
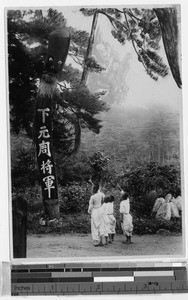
[
  {"x": 157, "y": 204},
  {"x": 164, "y": 211},
  {"x": 178, "y": 202},
  {"x": 111, "y": 217},
  {"x": 97, "y": 224},
  {"x": 105, "y": 218},
  {"x": 125, "y": 206},
  {"x": 107, "y": 210},
  {"x": 174, "y": 210},
  {"x": 95, "y": 201},
  {"x": 167, "y": 208},
  {"x": 127, "y": 225}
]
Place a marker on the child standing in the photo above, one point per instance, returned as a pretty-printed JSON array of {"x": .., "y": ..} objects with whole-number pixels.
[
  {"x": 112, "y": 220},
  {"x": 126, "y": 218},
  {"x": 105, "y": 218}
]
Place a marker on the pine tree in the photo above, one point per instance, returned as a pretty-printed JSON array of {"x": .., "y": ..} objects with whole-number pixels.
[
  {"x": 28, "y": 33},
  {"x": 67, "y": 108}
]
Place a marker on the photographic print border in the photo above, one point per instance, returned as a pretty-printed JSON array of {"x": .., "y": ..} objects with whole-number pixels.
[{"x": 113, "y": 258}]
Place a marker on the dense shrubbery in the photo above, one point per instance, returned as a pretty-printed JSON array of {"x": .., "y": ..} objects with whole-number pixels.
[
  {"x": 80, "y": 223},
  {"x": 23, "y": 166},
  {"x": 153, "y": 177},
  {"x": 143, "y": 183},
  {"x": 74, "y": 216},
  {"x": 71, "y": 223},
  {"x": 151, "y": 225},
  {"x": 74, "y": 198},
  {"x": 147, "y": 182}
]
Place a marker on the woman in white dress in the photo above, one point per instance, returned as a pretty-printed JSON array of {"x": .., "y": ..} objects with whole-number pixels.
[{"x": 97, "y": 224}]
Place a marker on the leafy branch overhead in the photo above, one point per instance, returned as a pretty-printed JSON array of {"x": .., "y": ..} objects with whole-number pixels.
[{"x": 142, "y": 28}]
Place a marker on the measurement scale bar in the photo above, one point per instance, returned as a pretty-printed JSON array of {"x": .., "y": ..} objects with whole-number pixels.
[
  {"x": 113, "y": 279},
  {"x": 91, "y": 279},
  {"x": 153, "y": 273},
  {"x": 71, "y": 275}
]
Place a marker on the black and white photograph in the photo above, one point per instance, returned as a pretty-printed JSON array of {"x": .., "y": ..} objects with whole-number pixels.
[{"x": 95, "y": 131}]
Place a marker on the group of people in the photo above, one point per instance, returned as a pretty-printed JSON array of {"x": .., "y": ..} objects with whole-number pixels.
[
  {"x": 103, "y": 222},
  {"x": 168, "y": 207}
]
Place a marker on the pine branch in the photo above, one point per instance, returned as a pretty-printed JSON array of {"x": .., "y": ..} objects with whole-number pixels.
[
  {"x": 157, "y": 62},
  {"x": 133, "y": 41},
  {"x": 63, "y": 86},
  {"x": 113, "y": 24},
  {"x": 118, "y": 10},
  {"x": 157, "y": 66},
  {"x": 76, "y": 59},
  {"x": 156, "y": 57},
  {"x": 112, "y": 19},
  {"x": 130, "y": 13},
  {"x": 78, "y": 55}
]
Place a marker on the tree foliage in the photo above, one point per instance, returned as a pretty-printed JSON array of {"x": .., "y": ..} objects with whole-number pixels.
[
  {"x": 98, "y": 164},
  {"x": 23, "y": 166},
  {"x": 28, "y": 33},
  {"x": 141, "y": 27},
  {"x": 136, "y": 136},
  {"x": 150, "y": 181}
]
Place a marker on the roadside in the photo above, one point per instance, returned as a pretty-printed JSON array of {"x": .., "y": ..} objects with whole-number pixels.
[{"x": 79, "y": 245}]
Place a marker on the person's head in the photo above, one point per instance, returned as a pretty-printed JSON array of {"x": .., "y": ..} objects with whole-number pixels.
[
  {"x": 124, "y": 196},
  {"x": 106, "y": 199},
  {"x": 168, "y": 198},
  {"x": 95, "y": 188},
  {"x": 112, "y": 198}
]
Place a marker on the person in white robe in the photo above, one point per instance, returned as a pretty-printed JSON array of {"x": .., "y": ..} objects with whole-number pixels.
[
  {"x": 105, "y": 218},
  {"x": 107, "y": 211},
  {"x": 97, "y": 224},
  {"x": 178, "y": 202},
  {"x": 157, "y": 204},
  {"x": 126, "y": 218},
  {"x": 112, "y": 219},
  {"x": 174, "y": 210},
  {"x": 166, "y": 208},
  {"x": 164, "y": 211}
]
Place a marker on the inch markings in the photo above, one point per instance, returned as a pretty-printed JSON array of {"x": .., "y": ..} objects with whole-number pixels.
[{"x": 96, "y": 279}]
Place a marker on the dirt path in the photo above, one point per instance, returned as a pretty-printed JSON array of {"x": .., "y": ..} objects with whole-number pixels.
[{"x": 80, "y": 245}]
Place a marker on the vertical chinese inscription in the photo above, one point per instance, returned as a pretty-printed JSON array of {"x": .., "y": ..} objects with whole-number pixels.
[{"x": 44, "y": 153}]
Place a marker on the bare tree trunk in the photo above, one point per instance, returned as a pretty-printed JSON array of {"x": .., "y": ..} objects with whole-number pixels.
[
  {"x": 169, "y": 26},
  {"x": 85, "y": 75},
  {"x": 89, "y": 48}
]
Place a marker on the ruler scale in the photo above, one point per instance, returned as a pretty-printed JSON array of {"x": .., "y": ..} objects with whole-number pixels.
[{"x": 95, "y": 278}]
